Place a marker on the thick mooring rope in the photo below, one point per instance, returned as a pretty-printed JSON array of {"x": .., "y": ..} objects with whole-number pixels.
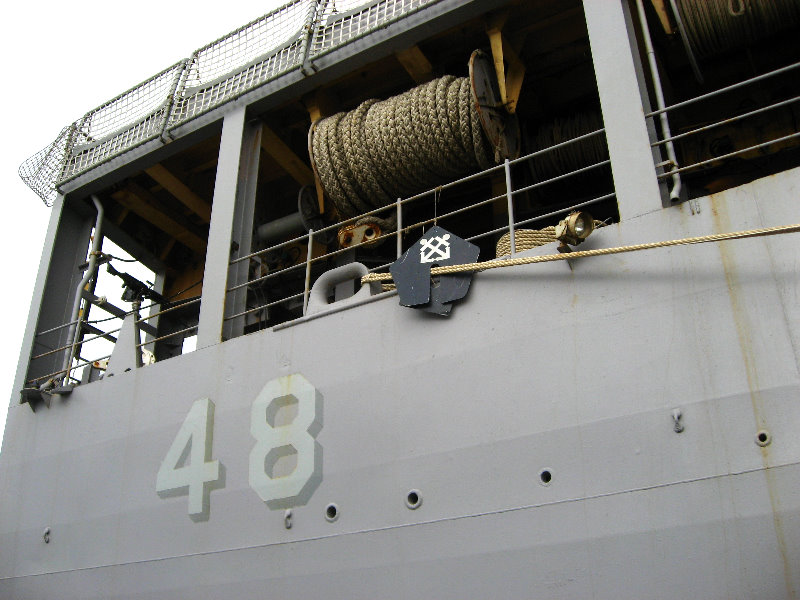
[
  {"x": 714, "y": 26},
  {"x": 525, "y": 239},
  {"x": 527, "y": 260},
  {"x": 387, "y": 149}
]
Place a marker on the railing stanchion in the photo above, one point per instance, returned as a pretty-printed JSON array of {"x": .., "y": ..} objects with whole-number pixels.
[
  {"x": 510, "y": 198},
  {"x": 308, "y": 268},
  {"x": 399, "y": 229}
]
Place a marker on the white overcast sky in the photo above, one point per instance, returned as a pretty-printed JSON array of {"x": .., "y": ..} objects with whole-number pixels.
[{"x": 60, "y": 60}]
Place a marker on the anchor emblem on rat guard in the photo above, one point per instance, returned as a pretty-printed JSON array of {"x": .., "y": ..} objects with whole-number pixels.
[
  {"x": 428, "y": 253},
  {"x": 437, "y": 248}
]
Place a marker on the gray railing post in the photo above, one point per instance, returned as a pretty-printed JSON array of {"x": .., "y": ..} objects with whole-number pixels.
[
  {"x": 310, "y": 253},
  {"x": 510, "y": 198}
]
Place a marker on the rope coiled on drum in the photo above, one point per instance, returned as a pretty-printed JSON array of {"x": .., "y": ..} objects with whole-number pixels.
[
  {"x": 715, "y": 26},
  {"x": 386, "y": 149}
]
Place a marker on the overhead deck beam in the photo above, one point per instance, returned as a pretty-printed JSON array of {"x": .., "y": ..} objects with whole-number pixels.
[
  {"x": 141, "y": 202},
  {"x": 416, "y": 64},
  {"x": 181, "y": 191},
  {"x": 552, "y": 22},
  {"x": 285, "y": 157}
]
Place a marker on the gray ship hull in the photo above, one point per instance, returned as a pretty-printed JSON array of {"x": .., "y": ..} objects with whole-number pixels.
[{"x": 543, "y": 368}]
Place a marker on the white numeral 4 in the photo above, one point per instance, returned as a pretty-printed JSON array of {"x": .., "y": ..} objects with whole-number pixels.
[
  {"x": 187, "y": 468},
  {"x": 286, "y": 462}
]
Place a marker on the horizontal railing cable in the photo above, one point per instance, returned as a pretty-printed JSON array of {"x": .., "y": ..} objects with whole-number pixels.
[
  {"x": 304, "y": 237},
  {"x": 313, "y": 260},
  {"x": 544, "y": 216},
  {"x": 166, "y": 336},
  {"x": 262, "y": 307},
  {"x": 729, "y": 88},
  {"x": 57, "y": 327},
  {"x": 72, "y": 368},
  {"x": 402, "y": 202},
  {"x": 529, "y": 260},
  {"x": 556, "y": 146},
  {"x": 83, "y": 341},
  {"x": 731, "y": 154},
  {"x": 539, "y": 184},
  {"x": 727, "y": 121},
  {"x": 170, "y": 309}
]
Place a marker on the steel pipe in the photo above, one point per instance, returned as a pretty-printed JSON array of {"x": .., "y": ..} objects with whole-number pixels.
[
  {"x": 675, "y": 193},
  {"x": 75, "y": 329}
]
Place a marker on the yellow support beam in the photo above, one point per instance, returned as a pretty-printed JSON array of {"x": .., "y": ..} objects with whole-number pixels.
[
  {"x": 285, "y": 157},
  {"x": 320, "y": 104},
  {"x": 122, "y": 215},
  {"x": 509, "y": 82},
  {"x": 663, "y": 15},
  {"x": 141, "y": 202},
  {"x": 167, "y": 248},
  {"x": 181, "y": 191},
  {"x": 416, "y": 64}
]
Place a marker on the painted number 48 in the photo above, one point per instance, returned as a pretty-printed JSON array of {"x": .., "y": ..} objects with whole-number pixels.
[{"x": 285, "y": 462}]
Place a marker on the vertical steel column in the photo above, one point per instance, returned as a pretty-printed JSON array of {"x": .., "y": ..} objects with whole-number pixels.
[
  {"x": 64, "y": 249},
  {"x": 610, "y": 36},
  {"x": 220, "y": 235},
  {"x": 242, "y": 234}
]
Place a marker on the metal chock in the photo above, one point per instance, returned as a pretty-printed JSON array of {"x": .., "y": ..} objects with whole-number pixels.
[{"x": 677, "y": 415}]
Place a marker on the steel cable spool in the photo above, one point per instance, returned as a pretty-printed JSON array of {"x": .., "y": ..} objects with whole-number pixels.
[
  {"x": 386, "y": 149},
  {"x": 716, "y": 26},
  {"x": 570, "y": 157}
]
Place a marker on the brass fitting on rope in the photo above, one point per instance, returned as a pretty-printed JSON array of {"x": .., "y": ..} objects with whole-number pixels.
[{"x": 575, "y": 228}]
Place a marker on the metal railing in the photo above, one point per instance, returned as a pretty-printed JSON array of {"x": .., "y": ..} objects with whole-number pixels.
[
  {"x": 768, "y": 140},
  {"x": 412, "y": 215},
  {"x": 85, "y": 326},
  {"x": 435, "y": 202},
  {"x": 257, "y": 53}
]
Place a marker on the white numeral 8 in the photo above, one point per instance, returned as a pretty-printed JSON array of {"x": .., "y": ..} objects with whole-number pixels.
[{"x": 290, "y": 440}]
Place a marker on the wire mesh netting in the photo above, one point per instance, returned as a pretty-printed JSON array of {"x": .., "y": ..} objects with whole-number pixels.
[
  {"x": 343, "y": 21},
  {"x": 42, "y": 171},
  {"x": 243, "y": 60},
  {"x": 128, "y": 120}
]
